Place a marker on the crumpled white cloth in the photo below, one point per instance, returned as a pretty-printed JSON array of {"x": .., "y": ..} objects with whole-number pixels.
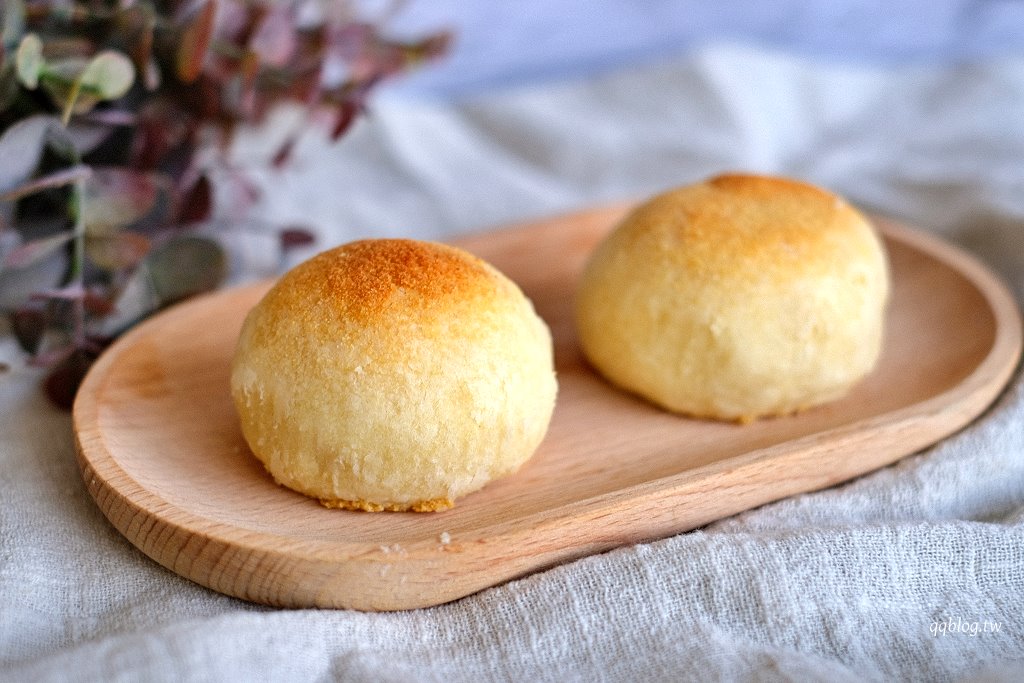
[{"x": 915, "y": 572}]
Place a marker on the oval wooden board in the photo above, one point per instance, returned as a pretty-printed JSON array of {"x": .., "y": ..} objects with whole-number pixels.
[{"x": 161, "y": 452}]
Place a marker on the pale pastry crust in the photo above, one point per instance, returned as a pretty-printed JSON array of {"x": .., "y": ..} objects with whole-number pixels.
[
  {"x": 739, "y": 297},
  {"x": 393, "y": 375}
]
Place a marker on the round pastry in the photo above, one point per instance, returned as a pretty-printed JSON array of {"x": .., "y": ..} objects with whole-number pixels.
[
  {"x": 393, "y": 375},
  {"x": 739, "y": 297}
]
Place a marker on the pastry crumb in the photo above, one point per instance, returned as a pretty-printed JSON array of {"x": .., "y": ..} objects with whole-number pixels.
[{"x": 432, "y": 505}]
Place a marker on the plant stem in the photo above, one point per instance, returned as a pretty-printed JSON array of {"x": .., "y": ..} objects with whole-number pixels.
[
  {"x": 69, "y": 108},
  {"x": 77, "y": 272}
]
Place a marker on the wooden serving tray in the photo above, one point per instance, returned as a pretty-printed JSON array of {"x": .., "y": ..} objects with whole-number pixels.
[{"x": 162, "y": 454}]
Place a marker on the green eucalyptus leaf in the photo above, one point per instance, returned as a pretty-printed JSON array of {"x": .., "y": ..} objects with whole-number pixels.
[
  {"x": 119, "y": 251},
  {"x": 60, "y": 142},
  {"x": 186, "y": 265},
  {"x": 14, "y": 22},
  {"x": 85, "y": 135},
  {"x": 108, "y": 75},
  {"x": 18, "y": 284},
  {"x": 21, "y": 148},
  {"x": 29, "y": 60},
  {"x": 76, "y": 84},
  {"x": 135, "y": 300},
  {"x": 9, "y": 88}
]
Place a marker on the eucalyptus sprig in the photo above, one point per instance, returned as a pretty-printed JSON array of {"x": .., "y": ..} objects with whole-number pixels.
[{"x": 115, "y": 121}]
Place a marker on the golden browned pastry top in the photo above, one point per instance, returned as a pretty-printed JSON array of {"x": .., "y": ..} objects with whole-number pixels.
[
  {"x": 768, "y": 226},
  {"x": 362, "y": 279}
]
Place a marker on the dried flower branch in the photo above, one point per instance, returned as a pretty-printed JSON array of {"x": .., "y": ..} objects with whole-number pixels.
[{"x": 105, "y": 108}]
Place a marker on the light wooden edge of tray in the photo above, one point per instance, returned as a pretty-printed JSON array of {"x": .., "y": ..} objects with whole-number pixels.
[{"x": 506, "y": 550}]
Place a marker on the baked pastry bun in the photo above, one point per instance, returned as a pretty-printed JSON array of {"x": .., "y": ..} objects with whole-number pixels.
[
  {"x": 393, "y": 375},
  {"x": 735, "y": 298}
]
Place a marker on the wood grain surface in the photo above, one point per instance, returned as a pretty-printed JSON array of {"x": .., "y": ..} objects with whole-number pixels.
[{"x": 161, "y": 452}]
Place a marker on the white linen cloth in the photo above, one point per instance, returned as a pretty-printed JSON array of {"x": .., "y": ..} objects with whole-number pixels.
[{"x": 900, "y": 575}]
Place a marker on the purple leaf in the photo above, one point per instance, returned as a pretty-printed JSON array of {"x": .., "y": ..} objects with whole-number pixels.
[
  {"x": 195, "y": 42},
  {"x": 112, "y": 117},
  {"x": 97, "y": 304},
  {"x": 275, "y": 39},
  {"x": 151, "y": 76},
  {"x": 284, "y": 152},
  {"x": 135, "y": 24},
  {"x": 351, "y": 40},
  {"x": 117, "y": 197},
  {"x": 234, "y": 18},
  {"x": 71, "y": 292},
  {"x": 196, "y": 203},
  {"x": 28, "y": 324},
  {"x": 63, "y": 382},
  {"x": 294, "y": 237},
  {"x": 346, "y": 116},
  {"x": 51, "y": 357},
  {"x": 36, "y": 250}
]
